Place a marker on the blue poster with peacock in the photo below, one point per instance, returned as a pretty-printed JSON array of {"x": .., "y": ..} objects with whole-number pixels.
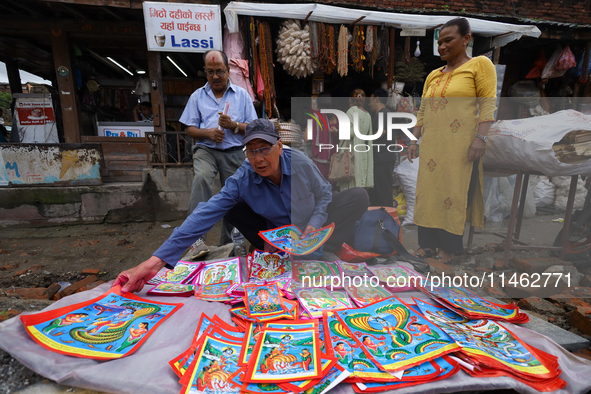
[
  {"x": 395, "y": 336},
  {"x": 107, "y": 327}
]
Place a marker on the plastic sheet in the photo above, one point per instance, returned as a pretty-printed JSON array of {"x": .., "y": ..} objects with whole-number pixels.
[{"x": 147, "y": 371}]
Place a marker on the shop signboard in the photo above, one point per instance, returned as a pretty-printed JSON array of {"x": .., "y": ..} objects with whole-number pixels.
[
  {"x": 182, "y": 27},
  {"x": 35, "y": 118},
  {"x": 124, "y": 129}
]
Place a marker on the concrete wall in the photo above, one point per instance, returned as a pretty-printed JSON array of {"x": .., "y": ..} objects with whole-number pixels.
[{"x": 158, "y": 197}]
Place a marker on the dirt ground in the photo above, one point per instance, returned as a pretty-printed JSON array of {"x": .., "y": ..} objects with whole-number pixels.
[{"x": 39, "y": 257}]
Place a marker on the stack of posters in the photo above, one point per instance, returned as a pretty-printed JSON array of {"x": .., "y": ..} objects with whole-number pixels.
[
  {"x": 279, "y": 357},
  {"x": 267, "y": 266},
  {"x": 489, "y": 349},
  {"x": 471, "y": 306},
  {"x": 306, "y": 273},
  {"x": 263, "y": 303},
  {"x": 107, "y": 327},
  {"x": 182, "y": 273},
  {"x": 177, "y": 281},
  {"x": 288, "y": 239}
]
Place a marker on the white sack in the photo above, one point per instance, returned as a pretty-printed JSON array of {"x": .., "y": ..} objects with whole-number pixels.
[{"x": 526, "y": 144}]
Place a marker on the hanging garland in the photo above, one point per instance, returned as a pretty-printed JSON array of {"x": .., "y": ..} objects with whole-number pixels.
[
  {"x": 375, "y": 48},
  {"x": 331, "y": 63},
  {"x": 322, "y": 45},
  {"x": 361, "y": 38},
  {"x": 391, "y": 58},
  {"x": 343, "y": 67},
  {"x": 265, "y": 71},
  {"x": 384, "y": 50},
  {"x": 293, "y": 49},
  {"x": 355, "y": 48},
  {"x": 255, "y": 54},
  {"x": 314, "y": 44}
]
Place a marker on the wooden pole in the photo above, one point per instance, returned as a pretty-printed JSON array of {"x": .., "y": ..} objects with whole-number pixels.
[
  {"x": 156, "y": 94},
  {"x": 14, "y": 78},
  {"x": 66, "y": 85},
  {"x": 391, "y": 58}
]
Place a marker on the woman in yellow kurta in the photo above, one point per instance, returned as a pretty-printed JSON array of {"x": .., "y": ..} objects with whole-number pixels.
[{"x": 456, "y": 113}]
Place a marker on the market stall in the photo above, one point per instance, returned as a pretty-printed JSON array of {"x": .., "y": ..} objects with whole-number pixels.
[{"x": 172, "y": 322}]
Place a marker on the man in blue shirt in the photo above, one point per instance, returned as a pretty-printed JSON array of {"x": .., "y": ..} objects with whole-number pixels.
[
  {"x": 274, "y": 187},
  {"x": 219, "y": 137}
]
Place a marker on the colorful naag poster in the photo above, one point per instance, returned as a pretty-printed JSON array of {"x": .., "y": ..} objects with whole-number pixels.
[
  {"x": 301, "y": 385},
  {"x": 488, "y": 341},
  {"x": 287, "y": 238},
  {"x": 181, "y": 364},
  {"x": 107, "y": 327},
  {"x": 471, "y": 303},
  {"x": 172, "y": 289},
  {"x": 282, "y": 355},
  {"x": 311, "y": 273},
  {"x": 343, "y": 299},
  {"x": 395, "y": 336},
  {"x": 398, "y": 278},
  {"x": 182, "y": 272},
  {"x": 365, "y": 295},
  {"x": 214, "y": 363},
  {"x": 214, "y": 292},
  {"x": 339, "y": 343},
  {"x": 315, "y": 300},
  {"x": 263, "y": 300},
  {"x": 353, "y": 269},
  {"x": 220, "y": 271},
  {"x": 266, "y": 266}
]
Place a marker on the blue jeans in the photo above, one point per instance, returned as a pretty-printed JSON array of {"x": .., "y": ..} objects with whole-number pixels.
[{"x": 207, "y": 162}]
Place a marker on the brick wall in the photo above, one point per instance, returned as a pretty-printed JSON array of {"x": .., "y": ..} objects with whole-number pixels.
[{"x": 568, "y": 11}]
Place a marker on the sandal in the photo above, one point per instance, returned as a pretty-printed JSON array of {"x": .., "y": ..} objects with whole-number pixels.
[{"x": 428, "y": 253}]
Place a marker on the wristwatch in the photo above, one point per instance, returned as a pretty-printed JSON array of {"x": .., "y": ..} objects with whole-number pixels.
[
  {"x": 237, "y": 129},
  {"x": 482, "y": 137}
]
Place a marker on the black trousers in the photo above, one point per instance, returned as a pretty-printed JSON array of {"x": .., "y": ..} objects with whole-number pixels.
[
  {"x": 345, "y": 209},
  {"x": 381, "y": 194},
  {"x": 438, "y": 238}
]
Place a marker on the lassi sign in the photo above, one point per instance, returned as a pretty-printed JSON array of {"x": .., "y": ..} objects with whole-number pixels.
[{"x": 182, "y": 27}]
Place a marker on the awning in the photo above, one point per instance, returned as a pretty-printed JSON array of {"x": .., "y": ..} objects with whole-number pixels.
[{"x": 503, "y": 32}]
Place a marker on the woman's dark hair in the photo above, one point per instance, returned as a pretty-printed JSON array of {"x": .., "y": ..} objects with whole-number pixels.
[
  {"x": 324, "y": 100},
  {"x": 462, "y": 23}
]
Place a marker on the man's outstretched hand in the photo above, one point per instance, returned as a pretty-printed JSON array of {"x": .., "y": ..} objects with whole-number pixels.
[{"x": 134, "y": 279}]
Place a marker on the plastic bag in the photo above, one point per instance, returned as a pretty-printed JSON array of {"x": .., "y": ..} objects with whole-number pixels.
[
  {"x": 544, "y": 192},
  {"x": 551, "y": 70},
  {"x": 536, "y": 71},
  {"x": 498, "y": 193},
  {"x": 566, "y": 60},
  {"x": 400, "y": 201},
  {"x": 578, "y": 71}
]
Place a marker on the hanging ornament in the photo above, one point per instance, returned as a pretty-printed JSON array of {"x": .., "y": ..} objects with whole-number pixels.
[{"x": 418, "y": 50}]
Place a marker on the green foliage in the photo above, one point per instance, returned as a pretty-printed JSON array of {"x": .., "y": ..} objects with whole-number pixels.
[{"x": 5, "y": 99}]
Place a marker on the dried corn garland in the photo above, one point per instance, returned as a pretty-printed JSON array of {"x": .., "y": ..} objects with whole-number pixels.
[
  {"x": 331, "y": 62},
  {"x": 293, "y": 49},
  {"x": 270, "y": 65},
  {"x": 343, "y": 49},
  {"x": 369, "y": 40}
]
